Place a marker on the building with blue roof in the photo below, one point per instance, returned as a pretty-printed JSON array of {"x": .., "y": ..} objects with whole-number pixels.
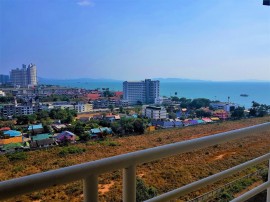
[
  {"x": 12, "y": 133},
  {"x": 35, "y": 127},
  {"x": 96, "y": 132}
]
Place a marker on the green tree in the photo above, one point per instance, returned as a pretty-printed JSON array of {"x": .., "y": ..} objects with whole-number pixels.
[
  {"x": 175, "y": 98},
  {"x": 79, "y": 129},
  {"x": 32, "y": 118},
  {"x": 42, "y": 115},
  {"x": 252, "y": 112},
  {"x": 172, "y": 115},
  {"x": 255, "y": 104},
  {"x": 138, "y": 126},
  {"x": 22, "y": 119},
  {"x": 202, "y": 113},
  {"x": 116, "y": 127},
  {"x": 184, "y": 102},
  {"x": 111, "y": 108},
  {"x": 238, "y": 113},
  {"x": 121, "y": 109},
  {"x": 199, "y": 102}
]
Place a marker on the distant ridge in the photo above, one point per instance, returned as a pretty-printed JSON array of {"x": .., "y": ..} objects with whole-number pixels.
[
  {"x": 179, "y": 80},
  {"x": 165, "y": 80},
  {"x": 46, "y": 80}
]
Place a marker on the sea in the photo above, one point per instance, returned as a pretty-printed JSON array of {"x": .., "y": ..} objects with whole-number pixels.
[{"x": 222, "y": 91}]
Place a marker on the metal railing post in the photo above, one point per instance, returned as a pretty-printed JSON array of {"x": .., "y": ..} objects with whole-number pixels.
[
  {"x": 129, "y": 184},
  {"x": 90, "y": 188},
  {"x": 268, "y": 189}
]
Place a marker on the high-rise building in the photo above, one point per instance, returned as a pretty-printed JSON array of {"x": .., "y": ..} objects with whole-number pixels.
[
  {"x": 32, "y": 74},
  {"x": 144, "y": 92},
  {"x": 24, "y": 76},
  {"x": 4, "y": 79}
]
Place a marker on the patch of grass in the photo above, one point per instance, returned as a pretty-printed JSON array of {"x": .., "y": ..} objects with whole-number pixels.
[
  {"x": 17, "y": 156},
  {"x": 90, "y": 143},
  {"x": 71, "y": 150},
  {"x": 109, "y": 143},
  {"x": 17, "y": 169}
]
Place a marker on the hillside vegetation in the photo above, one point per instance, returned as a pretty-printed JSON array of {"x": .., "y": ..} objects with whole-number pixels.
[{"x": 163, "y": 175}]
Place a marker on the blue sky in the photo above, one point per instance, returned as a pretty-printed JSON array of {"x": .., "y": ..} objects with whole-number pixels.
[{"x": 137, "y": 39}]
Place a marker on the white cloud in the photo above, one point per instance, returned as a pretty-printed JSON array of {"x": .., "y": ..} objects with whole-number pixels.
[{"x": 85, "y": 3}]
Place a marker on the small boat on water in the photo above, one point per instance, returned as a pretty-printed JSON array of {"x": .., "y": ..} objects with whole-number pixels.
[{"x": 244, "y": 95}]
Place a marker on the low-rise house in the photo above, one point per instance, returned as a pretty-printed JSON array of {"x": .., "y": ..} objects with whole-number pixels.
[
  {"x": 40, "y": 137},
  {"x": 35, "y": 129},
  {"x": 110, "y": 118},
  {"x": 93, "y": 96},
  {"x": 83, "y": 108},
  {"x": 97, "y": 133},
  {"x": 215, "y": 119},
  {"x": 186, "y": 122},
  {"x": 150, "y": 128},
  {"x": 227, "y": 106},
  {"x": 178, "y": 123},
  {"x": 200, "y": 121},
  {"x": 41, "y": 140},
  {"x": 84, "y": 118},
  {"x": 163, "y": 123},
  {"x": 207, "y": 120},
  {"x": 5, "y": 128},
  {"x": 58, "y": 127},
  {"x": 100, "y": 104},
  {"x": 66, "y": 136},
  {"x": 193, "y": 122},
  {"x": 64, "y": 106},
  {"x": 221, "y": 114},
  {"x": 42, "y": 143},
  {"x": 155, "y": 113}
]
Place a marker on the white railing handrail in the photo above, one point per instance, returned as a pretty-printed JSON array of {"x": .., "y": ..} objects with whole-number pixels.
[{"x": 90, "y": 171}]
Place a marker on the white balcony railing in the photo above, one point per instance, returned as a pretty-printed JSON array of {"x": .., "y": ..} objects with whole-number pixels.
[{"x": 89, "y": 172}]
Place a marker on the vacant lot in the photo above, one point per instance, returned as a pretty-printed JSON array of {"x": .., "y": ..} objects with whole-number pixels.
[{"x": 164, "y": 175}]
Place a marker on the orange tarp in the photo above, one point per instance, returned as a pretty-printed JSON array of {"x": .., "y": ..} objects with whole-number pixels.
[{"x": 11, "y": 140}]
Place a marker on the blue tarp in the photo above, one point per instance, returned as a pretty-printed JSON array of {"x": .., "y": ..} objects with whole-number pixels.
[
  {"x": 106, "y": 129},
  {"x": 35, "y": 127},
  {"x": 95, "y": 131},
  {"x": 12, "y": 133}
]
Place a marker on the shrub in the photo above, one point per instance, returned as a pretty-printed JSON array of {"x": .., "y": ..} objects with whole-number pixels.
[
  {"x": 225, "y": 196},
  {"x": 143, "y": 191},
  {"x": 16, "y": 156},
  {"x": 17, "y": 169},
  {"x": 71, "y": 150},
  {"x": 90, "y": 143},
  {"x": 265, "y": 176}
]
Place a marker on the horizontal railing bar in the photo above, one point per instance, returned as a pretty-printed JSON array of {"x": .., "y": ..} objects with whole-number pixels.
[
  {"x": 258, "y": 172},
  {"x": 47, "y": 179},
  {"x": 252, "y": 192},
  {"x": 208, "y": 180}
]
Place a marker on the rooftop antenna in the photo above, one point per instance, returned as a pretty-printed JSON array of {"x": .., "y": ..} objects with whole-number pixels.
[{"x": 228, "y": 99}]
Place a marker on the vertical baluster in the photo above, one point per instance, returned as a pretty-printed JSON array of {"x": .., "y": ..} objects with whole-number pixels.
[
  {"x": 90, "y": 188},
  {"x": 129, "y": 184}
]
